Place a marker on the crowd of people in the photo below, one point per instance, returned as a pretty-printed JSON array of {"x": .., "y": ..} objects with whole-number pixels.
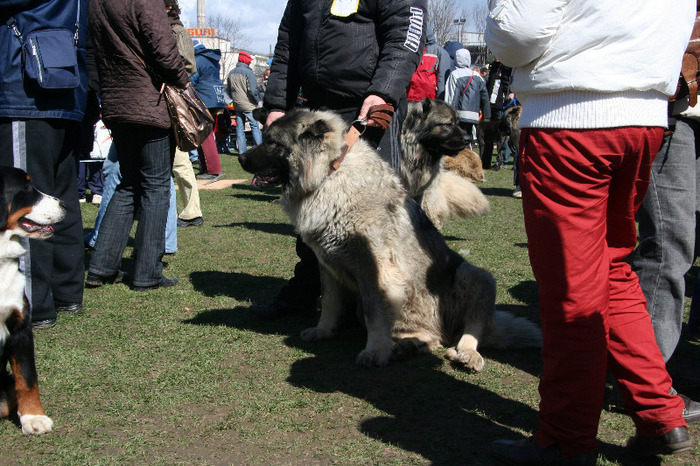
[{"x": 597, "y": 150}]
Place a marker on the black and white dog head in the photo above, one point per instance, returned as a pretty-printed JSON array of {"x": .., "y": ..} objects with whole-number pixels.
[{"x": 24, "y": 210}]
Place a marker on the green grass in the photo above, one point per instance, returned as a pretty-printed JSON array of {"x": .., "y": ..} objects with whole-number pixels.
[{"x": 186, "y": 376}]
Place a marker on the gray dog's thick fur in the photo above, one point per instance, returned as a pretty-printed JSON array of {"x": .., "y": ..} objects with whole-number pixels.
[
  {"x": 378, "y": 251},
  {"x": 430, "y": 132}
]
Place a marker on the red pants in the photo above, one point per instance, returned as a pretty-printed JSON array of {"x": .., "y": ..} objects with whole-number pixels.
[
  {"x": 209, "y": 156},
  {"x": 581, "y": 189}
]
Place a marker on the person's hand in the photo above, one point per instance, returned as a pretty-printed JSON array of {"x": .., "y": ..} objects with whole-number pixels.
[
  {"x": 369, "y": 102},
  {"x": 274, "y": 115}
]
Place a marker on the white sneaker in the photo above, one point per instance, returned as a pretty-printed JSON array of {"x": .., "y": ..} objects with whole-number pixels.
[
  {"x": 517, "y": 193},
  {"x": 96, "y": 199}
]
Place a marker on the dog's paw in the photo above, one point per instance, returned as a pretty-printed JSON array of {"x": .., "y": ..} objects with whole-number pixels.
[
  {"x": 369, "y": 358},
  {"x": 316, "y": 333},
  {"x": 470, "y": 359},
  {"x": 407, "y": 347},
  {"x": 35, "y": 424}
]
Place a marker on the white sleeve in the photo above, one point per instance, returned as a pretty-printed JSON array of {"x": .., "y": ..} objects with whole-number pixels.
[{"x": 519, "y": 31}]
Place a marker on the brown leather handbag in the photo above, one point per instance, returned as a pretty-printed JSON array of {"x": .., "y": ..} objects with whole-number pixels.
[
  {"x": 690, "y": 69},
  {"x": 192, "y": 121}
]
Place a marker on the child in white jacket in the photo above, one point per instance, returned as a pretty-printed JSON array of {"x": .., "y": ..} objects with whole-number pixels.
[{"x": 594, "y": 78}]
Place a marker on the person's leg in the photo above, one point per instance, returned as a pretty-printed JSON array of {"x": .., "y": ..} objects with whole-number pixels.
[
  {"x": 46, "y": 149},
  {"x": 490, "y": 135},
  {"x": 240, "y": 133},
  {"x": 171, "y": 224},
  {"x": 115, "y": 227},
  {"x": 212, "y": 164},
  {"x": 82, "y": 176},
  {"x": 112, "y": 178},
  {"x": 566, "y": 242},
  {"x": 254, "y": 128},
  {"x": 187, "y": 184},
  {"x": 595, "y": 292},
  {"x": 94, "y": 177},
  {"x": 667, "y": 234},
  {"x": 155, "y": 177},
  {"x": 634, "y": 357}
]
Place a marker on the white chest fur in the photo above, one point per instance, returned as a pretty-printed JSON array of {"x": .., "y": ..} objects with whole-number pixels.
[{"x": 11, "y": 282}]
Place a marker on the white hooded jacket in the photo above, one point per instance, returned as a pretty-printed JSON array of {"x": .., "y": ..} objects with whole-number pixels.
[{"x": 591, "y": 63}]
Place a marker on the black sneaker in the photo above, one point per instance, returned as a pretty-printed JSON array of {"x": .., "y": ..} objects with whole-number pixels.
[
  {"x": 193, "y": 222},
  {"x": 68, "y": 308},
  {"x": 42, "y": 324},
  {"x": 672, "y": 442},
  {"x": 93, "y": 280},
  {"x": 163, "y": 283}
]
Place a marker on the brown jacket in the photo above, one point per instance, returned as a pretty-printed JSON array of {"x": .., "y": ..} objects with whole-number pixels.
[{"x": 119, "y": 30}]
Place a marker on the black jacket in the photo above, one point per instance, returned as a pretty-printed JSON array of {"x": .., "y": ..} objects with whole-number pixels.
[{"x": 338, "y": 61}]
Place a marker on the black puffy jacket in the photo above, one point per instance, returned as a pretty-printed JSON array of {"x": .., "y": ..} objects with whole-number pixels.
[{"x": 338, "y": 61}]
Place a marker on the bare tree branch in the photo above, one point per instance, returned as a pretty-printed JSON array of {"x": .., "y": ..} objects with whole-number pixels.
[
  {"x": 476, "y": 15},
  {"x": 230, "y": 30},
  {"x": 441, "y": 16}
]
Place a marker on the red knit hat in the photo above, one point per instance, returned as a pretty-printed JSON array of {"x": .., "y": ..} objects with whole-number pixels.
[{"x": 244, "y": 57}]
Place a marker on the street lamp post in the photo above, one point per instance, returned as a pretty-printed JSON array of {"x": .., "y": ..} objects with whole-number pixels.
[{"x": 460, "y": 24}]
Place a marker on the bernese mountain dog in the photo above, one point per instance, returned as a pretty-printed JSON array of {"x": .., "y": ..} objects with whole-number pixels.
[{"x": 29, "y": 213}]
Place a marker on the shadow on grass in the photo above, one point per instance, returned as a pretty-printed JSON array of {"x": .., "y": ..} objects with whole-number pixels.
[
  {"x": 525, "y": 292},
  {"x": 240, "y": 286},
  {"x": 425, "y": 408},
  {"x": 285, "y": 229},
  {"x": 499, "y": 192}
]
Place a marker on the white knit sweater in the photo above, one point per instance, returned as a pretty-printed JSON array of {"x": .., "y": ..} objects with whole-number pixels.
[{"x": 591, "y": 63}]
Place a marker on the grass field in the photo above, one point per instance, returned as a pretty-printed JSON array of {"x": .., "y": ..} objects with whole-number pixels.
[{"x": 186, "y": 375}]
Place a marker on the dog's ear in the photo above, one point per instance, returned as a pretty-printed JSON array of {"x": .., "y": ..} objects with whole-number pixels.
[
  {"x": 427, "y": 105},
  {"x": 315, "y": 131}
]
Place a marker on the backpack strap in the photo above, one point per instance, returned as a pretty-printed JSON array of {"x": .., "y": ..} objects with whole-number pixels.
[{"x": 468, "y": 83}]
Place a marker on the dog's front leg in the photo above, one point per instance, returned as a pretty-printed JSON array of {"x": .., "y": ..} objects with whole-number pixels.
[
  {"x": 29, "y": 408},
  {"x": 331, "y": 309},
  {"x": 381, "y": 302}
]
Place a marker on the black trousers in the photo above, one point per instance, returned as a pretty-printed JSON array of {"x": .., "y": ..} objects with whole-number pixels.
[{"x": 47, "y": 150}]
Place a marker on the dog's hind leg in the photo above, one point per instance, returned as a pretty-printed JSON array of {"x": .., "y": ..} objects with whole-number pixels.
[
  {"x": 332, "y": 308},
  {"x": 477, "y": 288},
  {"x": 465, "y": 353}
]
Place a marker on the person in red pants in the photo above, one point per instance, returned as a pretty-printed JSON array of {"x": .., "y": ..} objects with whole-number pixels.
[
  {"x": 592, "y": 124},
  {"x": 208, "y": 85}
]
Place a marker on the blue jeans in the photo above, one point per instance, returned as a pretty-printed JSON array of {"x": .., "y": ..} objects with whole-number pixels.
[
  {"x": 240, "y": 131},
  {"x": 112, "y": 177},
  {"x": 667, "y": 232},
  {"x": 145, "y": 156}
]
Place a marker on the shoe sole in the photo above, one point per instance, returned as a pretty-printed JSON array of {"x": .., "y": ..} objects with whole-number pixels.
[
  {"x": 99, "y": 281},
  {"x": 168, "y": 284}
]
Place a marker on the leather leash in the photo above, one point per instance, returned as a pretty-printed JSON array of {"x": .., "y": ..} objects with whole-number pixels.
[{"x": 381, "y": 116}]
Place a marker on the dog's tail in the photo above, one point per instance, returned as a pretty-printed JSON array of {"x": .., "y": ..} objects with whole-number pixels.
[
  {"x": 509, "y": 331},
  {"x": 462, "y": 196}
]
